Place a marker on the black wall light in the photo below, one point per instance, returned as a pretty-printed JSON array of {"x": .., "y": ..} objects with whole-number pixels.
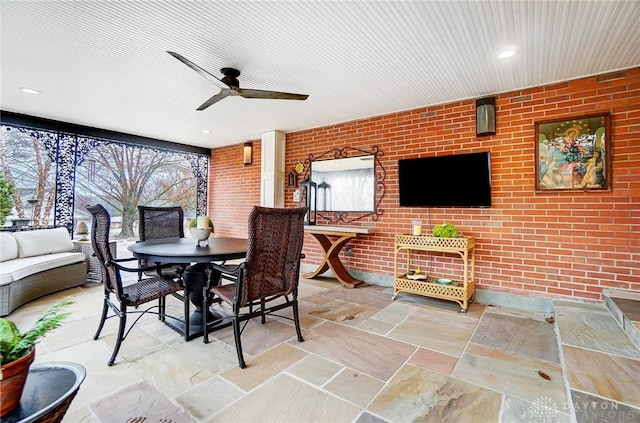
[
  {"x": 486, "y": 116},
  {"x": 247, "y": 152}
]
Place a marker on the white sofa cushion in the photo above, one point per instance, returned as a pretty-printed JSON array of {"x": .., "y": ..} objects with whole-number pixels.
[
  {"x": 13, "y": 270},
  {"x": 8, "y": 247},
  {"x": 43, "y": 241}
]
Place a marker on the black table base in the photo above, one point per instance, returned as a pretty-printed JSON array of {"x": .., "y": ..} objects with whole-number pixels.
[
  {"x": 184, "y": 251},
  {"x": 195, "y": 278},
  {"x": 216, "y": 320}
]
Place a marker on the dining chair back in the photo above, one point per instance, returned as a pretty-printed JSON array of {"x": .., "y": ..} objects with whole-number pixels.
[
  {"x": 267, "y": 280},
  {"x": 158, "y": 223},
  {"x": 130, "y": 295}
]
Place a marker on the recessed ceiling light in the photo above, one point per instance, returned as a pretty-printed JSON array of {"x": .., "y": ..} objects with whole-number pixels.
[
  {"x": 29, "y": 90},
  {"x": 206, "y": 131},
  {"x": 505, "y": 54}
]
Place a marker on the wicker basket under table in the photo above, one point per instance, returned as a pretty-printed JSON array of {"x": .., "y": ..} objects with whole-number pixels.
[{"x": 461, "y": 291}]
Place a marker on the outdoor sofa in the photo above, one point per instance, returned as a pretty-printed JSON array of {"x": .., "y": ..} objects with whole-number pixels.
[{"x": 36, "y": 263}]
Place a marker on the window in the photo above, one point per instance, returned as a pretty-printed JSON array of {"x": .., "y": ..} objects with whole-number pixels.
[
  {"x": 29, "y": 165},
  {"x": 56, "y": 174}
]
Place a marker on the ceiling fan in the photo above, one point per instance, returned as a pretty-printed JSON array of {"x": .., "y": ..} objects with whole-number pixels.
[{"x": 232, "y": 86}]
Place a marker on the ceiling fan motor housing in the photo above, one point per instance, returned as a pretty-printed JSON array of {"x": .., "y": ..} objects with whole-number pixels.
[{"x": 230, "y": 77}]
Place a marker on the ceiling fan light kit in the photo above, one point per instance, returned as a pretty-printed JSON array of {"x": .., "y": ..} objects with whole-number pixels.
[{"x": 231, "y": 85}]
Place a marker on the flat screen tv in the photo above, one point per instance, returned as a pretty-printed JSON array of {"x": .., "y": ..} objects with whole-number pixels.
[{"x": 460, "y": 180}]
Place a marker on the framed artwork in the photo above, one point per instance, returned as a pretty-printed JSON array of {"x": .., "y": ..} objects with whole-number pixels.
[{"x": 574, "y": 153}]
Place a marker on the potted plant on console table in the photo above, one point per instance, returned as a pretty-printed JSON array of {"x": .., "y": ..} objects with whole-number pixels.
[
  {"x": 446, "y": 230},
  {"x": 17, "y": 352}
]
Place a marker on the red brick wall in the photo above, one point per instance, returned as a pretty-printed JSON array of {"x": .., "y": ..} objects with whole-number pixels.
[
  {"x": 233, "y": 189},
  {"x": 544, "y": 244}
]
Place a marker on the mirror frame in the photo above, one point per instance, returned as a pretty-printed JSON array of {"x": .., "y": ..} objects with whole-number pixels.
[{"x": 378, "y": 170}]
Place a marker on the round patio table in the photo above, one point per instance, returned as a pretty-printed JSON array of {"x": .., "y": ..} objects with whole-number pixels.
[{"x": 197, "y": 258}]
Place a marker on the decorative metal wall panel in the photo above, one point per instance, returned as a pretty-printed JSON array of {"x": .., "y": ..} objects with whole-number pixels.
[
  {"x": 69, "y": 151},
  {"x": 65, "y": 181}
]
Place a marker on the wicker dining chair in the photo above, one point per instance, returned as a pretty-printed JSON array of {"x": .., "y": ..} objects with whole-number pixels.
[
  {"x": 133, "y": 295},
  {"x": 157, "y": 223},
  {"x": 270, "y": 271}
]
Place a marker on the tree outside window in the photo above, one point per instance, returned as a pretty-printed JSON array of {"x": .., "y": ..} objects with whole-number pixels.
[{"x": 86, "y": 171}]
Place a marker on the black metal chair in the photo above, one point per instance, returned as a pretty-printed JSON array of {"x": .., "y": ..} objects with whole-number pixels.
[
  {"x": 157, "y": 223},
  {"x": 131, "y": 295},
  {"x": 270, "y": 271}
]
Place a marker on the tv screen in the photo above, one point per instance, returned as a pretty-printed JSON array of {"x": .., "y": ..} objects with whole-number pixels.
[{"x": 461, "y": 180}]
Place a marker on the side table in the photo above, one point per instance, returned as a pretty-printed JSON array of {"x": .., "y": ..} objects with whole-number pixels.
[
  {"x": 461, "y": 291},
  {"x": 331, "y": 250},
  {"x": 48, "y": 392},
  {"x": 94, "y": 274}
]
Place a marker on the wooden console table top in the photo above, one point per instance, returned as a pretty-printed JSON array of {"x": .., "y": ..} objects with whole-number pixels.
[{"x": 317, "y": 229}]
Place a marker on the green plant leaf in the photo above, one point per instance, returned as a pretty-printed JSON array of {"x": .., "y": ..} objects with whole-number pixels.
[
  {"x": 446, "y": 230},
  {"x": 14, "y": 344}
]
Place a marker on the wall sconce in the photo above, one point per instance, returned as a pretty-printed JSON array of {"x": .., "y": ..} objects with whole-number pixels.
[
  {"x": 486, "y": 116},
  {"x": 247, "y": 151}
]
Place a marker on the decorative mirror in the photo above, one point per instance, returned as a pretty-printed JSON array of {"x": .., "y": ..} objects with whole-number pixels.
[{"x": 344, "y": 184}]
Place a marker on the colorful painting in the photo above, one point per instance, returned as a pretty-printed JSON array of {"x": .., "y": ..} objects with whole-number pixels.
[{"x": 574, "y": 154}]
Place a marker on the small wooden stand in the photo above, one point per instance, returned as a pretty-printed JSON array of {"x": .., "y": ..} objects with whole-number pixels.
[
  {"x": 460, "y": 291},
  {"x": 331, "y": 250}
]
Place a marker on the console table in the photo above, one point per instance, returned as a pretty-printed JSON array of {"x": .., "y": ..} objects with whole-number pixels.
[
  {"x": 331, "y": 250},
  {"x": 460, "y": 291}
]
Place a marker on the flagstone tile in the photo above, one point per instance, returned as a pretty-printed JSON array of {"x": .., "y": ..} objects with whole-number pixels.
[
  {"x": 594, "y": 328},
  {"x": 264, "y": 366},
  {"x": 511, "y": 374},
  {"x": 368, "y": 353},
  {"x": 545, "y": 409},
  {"x": 286, "y": 399},
  {"x": 258, "y": 337},
  {"x": 375, "y": 326},
  {"x": 592, "y": 409},
  {"x": 208, "y": 398},
  {"x": 364, "y": 296},
  {"x": 315, "y": 369},
  {"x": 101, "y": 380},
  {"x": 434, "y": 361},
  {"x": 394, "y": 313},
  {"x": 180, "y": 368},
  {"x": 138, "y": 402},
  {"x": 369, "y": 418},
  {"x": 518, "y": 335},
  {"x": 605, "y": 375},
  {"x": 343, "y": 311},
  {"x": 449, "y": 318},
  {"x": 354, "y": 386},
  {"x": 417, "y": 394},
  {"x": 429, "y": 334}
]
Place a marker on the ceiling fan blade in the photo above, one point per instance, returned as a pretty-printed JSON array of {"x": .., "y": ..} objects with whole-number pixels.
[
  {"x": 222, "y": 94},
  {"x": 274, "y": 95},
  {"x": 230, "y": 81},
  {"x": 198, "y": 69}
]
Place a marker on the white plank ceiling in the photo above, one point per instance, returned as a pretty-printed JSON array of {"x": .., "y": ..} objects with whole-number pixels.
[{"x": 104, "y": 63}]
